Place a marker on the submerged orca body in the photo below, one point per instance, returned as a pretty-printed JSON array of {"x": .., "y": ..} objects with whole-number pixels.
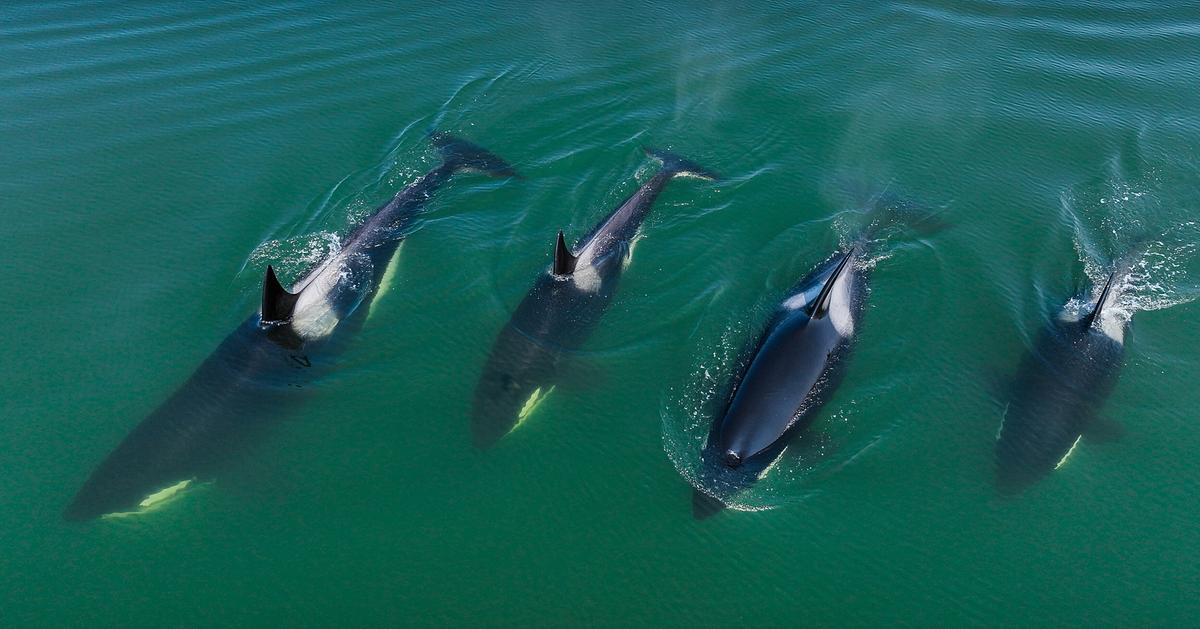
[
  {"x": 1060, "y": 388},
  {"x": 796, "y": 366},
  {"x": 254, "y": 371},
  {"x": 561, "y": 310}
]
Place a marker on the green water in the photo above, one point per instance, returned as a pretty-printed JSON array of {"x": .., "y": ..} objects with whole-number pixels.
[{"x": 154, "y": 160}]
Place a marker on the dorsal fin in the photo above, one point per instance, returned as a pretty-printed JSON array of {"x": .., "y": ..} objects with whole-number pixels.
[
  {"x": 820, "y": 305},
  {"x": 1090, "y": 319},
  {"x": 277, "y": 303},
  {"x": 564, "y": 260}
]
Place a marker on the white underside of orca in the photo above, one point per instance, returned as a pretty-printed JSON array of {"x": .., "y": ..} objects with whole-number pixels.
[
  {"x": 155, "y": 500},
  {"x": 766, "y": 470},
  {"x": 1063, "y": 461},
  {"x": 536, "y": 398},
  {"x": 389, "y": 275}
]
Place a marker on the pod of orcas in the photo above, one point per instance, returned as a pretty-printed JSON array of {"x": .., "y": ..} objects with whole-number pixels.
[{"x": 246, "y": 384}]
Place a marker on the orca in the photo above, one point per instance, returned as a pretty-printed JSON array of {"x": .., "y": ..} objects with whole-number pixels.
[
  {"x": 1062, "y": 384},
  {"x": 562, "y": 309},
  {"x": 795, "y": 366},
  {"x": 244, "y": 384}
]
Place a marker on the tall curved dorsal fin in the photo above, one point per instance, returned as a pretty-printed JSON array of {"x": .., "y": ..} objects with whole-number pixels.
[
  {"x": 564, "y": 260},
  {"x": 1090, "y": 319},
  {"x": 277, "y": 303},
  {"x": 820, "y": 305}
]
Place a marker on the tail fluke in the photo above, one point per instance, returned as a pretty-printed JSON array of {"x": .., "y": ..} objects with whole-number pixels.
[
  {"x": 463, "y": 155},
  {"x": 1090, "y": 319},
  {"x": 892, "y": 210},
  {"x": 679, "y": 166}
]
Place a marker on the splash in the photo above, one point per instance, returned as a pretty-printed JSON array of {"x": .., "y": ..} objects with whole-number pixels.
[
  {"x": 347, "y": 203},
  {"x": 293, "y": 257},
  {"x": 1139, "y": 230},
  {"x": 688, "y": 411}
]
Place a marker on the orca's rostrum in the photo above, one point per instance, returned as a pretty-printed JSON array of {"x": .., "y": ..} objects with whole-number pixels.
[
  {"x": 240, "y": 387},
  {"x": 561, "y": 310}
]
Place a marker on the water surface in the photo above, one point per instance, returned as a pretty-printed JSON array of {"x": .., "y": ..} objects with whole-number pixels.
[{"x": 156, "y": 158}]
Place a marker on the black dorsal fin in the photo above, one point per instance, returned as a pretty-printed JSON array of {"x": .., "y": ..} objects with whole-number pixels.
[
  {"x": 1090, "y": 319},
  {"x": 564, "y": 260},
  {"x": 820, "y": 305},
  {"x": 277, "y": 303}
]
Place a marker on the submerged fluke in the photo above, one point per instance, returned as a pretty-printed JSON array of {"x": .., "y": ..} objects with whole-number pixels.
[
  {"x": 677, "y": 165},
  {"x": 460, "y": 154}
]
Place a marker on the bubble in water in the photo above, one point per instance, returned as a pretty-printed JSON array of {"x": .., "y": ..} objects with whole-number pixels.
[
  {"x": 292, "y": 257},
  {"x": 1142, "y": 228}
]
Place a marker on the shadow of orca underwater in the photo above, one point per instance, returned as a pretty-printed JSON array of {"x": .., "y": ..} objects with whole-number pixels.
[
  {"x": 1062, "y": 385},
  {"x": 242, "y": 385}
]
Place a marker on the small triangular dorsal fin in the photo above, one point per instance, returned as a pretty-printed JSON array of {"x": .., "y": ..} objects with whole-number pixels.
[
  {"x": 820, "y": 305},
  {"x": 277, "y": 303},
  {"x": 1090, "y": 319},
  {"x": 564, "y": 260}
]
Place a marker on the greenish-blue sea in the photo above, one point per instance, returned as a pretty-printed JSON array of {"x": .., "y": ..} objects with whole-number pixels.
[{"x": 155, "y": 158}]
